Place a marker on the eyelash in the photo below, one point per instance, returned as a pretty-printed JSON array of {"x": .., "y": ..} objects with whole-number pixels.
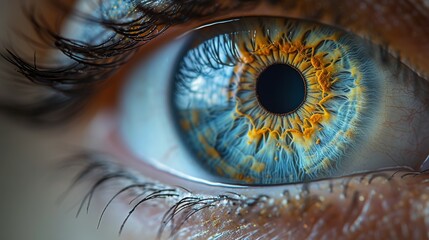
[
  {"x": 74, "y": 83},
  {"x": 97, "y": 170},
  {"x": 185, "y": 204}
]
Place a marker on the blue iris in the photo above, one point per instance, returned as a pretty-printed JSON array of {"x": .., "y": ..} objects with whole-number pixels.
[{"x": 245, "y": 130}]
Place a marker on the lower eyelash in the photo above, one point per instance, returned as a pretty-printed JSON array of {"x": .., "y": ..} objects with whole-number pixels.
[{"x": 183, "y": 204}]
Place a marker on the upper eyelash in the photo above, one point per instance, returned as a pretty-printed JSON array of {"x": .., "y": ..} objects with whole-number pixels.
[
  {"x": 184, "y": 203},
  {"x": 73, "y": 83}
]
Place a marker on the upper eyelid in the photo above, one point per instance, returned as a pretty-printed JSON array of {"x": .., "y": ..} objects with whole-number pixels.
[
  {"x": 91, "y": 68},
  {"x": 138, "y": 31},
  {"x": 380, "y": 22},
  {"x": 338, "y": 16}
]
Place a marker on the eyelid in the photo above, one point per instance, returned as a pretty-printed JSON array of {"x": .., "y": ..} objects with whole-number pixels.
[
  {"x": 385, "y": 27},
  {"x": 357, "y": 193},
  {"x": 261, "y": 9},
  {"x": 356, "y": 27},
  {"x": 292, "y": 10}
]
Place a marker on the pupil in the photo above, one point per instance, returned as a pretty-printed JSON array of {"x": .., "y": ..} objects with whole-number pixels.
[{"x": 280, "y": 89}]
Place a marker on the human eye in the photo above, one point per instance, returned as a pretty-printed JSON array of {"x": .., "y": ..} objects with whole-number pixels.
[
  {"x": 334, "y": 90},
  {"x": 298, "y": 210}
]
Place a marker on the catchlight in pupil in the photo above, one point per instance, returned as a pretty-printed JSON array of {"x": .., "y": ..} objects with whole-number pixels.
[{"x": 280, "y": 89}]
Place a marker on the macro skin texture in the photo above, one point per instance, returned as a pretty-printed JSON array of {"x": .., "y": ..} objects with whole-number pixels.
[
  {"x": 381, "y": 21},
  {"x": 380, "y": 205},
  {"x": 383, "y": 209}
]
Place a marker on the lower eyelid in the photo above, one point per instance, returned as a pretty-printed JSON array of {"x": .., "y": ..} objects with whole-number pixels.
[{"x": 316, "y": 206}]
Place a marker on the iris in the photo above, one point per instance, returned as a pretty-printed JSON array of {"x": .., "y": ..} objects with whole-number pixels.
[{"x": 274, "y": 100}]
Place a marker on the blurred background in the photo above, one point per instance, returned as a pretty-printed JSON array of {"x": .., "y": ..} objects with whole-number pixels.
[{"x": 30, "y": 180}]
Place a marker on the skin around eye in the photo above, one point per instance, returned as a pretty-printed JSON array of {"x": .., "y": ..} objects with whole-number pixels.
[
  {"x": 366, "y": 188},
  {"x": 338, "y": 130},
  {"x": 379, "y": 205}
]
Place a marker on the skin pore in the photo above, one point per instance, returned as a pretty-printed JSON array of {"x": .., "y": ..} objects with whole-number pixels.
[{"x": 380, "y": 205}]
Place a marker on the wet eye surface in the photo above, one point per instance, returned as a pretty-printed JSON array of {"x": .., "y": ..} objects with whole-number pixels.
[
  {"x": 130, "y": 195},
  {"x": 275, "y": 100},
  {"x": 272, "y": 101}
]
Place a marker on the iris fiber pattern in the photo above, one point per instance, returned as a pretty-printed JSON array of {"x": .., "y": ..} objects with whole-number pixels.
[{"x": 233, "y": 136}]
